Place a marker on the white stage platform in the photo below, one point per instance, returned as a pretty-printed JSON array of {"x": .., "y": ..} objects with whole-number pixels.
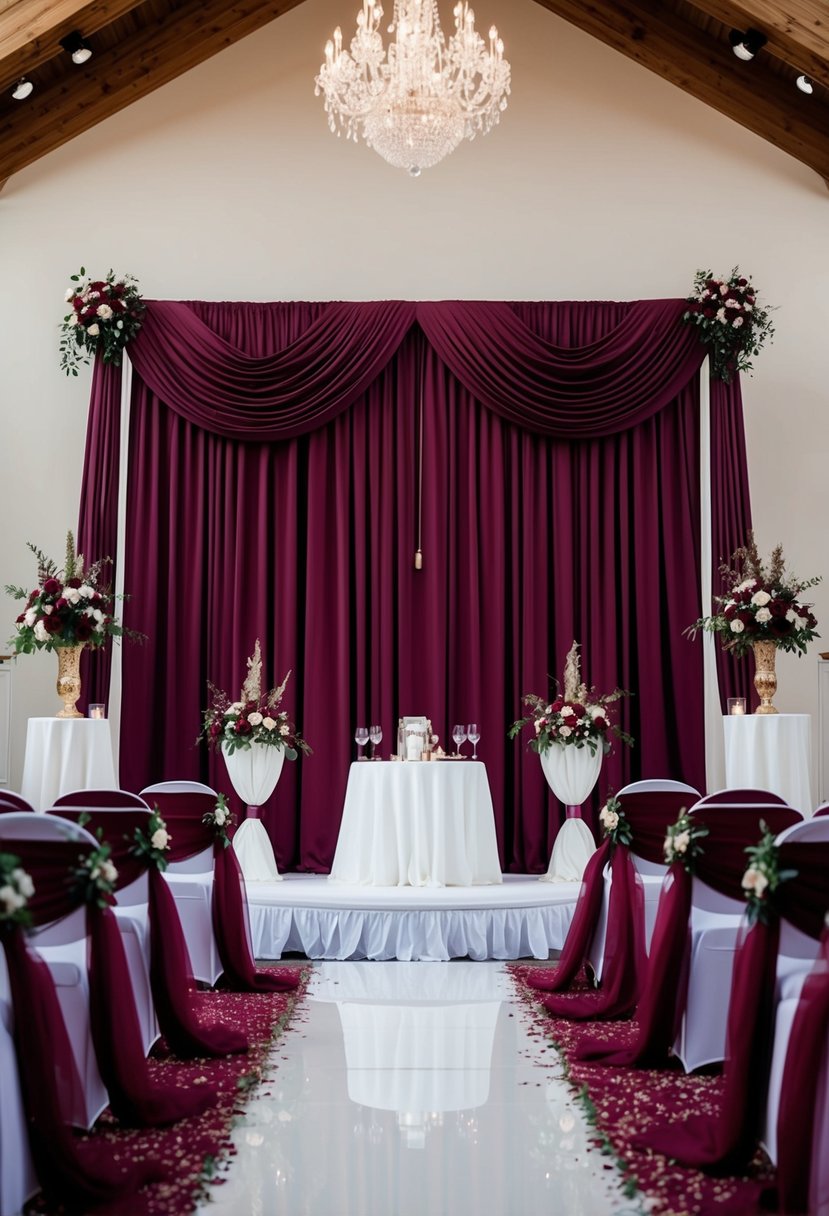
[{"x": 307, "y": 914}]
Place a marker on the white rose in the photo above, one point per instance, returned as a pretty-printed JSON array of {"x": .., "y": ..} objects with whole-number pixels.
[
  {"x": 268, "y": 723},
  {"x": 48, "y": 609},
  {"x": 70, "y": 294},
  {"x": 596, "y": 711},
  {"x": 728, "y": 304},
  {"x": 23, "y": 882},
  {"x": 30, "y": 617},
  {"x": 608, "y": 818},
  {"x": 71, "y": 595},
  {"x": 792, "y": 616},
  {"x": 737, "y": 322},
  {"x": 220, "y": 815},
  {"x": 10, "y": 899},
  {"x": 94, "y": 330},
  {"x": 285, "y": 729},
  {"x": 755, "y": 880},
  {"x": 760, "y": 598},
  {"x": 160, "y": 838},
  {"x": 568, "y": 711},
  {"x": 681, "y": 842},
  {"x": 720, "y": 314},
  {"x": 98, "y": 615},
  {"x": 40, "y": 632},
  {"x": 565, "y": 731},
  {"x": 749, "y": 582},
  {"x": 95, "y": 872},
  {"x": 104, "y": 311},
  {"x": 737, "y": 626},
  {"x": 237, "y": 707},
  {"x": 762, "y": 615},
  {"x": 85, "y": 591},
  {"x": 724, "y": 289},
  {"x": 73, "y": 320},
  {"x": 255, "y": 719},
  {"x": 108, "y": 872}
]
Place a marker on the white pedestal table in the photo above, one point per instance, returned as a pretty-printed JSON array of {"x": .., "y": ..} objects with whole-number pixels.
[
  {"x": 66, "y": 754},
  {"x": 419, "y": 824},
  {"x": 770, "y": 752}
]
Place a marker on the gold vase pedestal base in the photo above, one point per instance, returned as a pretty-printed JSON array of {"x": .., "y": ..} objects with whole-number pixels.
[
  {"x": 69, "y": 679},
  {"x": 765, "y": 678}
]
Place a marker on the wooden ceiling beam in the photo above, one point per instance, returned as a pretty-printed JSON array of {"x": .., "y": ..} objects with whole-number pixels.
[
  {"x": 31, "y": 30},
  {"x": 194, "y": 31},
  {"x": 798, "y": 34},
  {"x": 685, "y": 55}
]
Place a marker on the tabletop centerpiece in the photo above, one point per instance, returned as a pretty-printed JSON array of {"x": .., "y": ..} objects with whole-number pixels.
[
  {"x": 572, "y": 734},
  {"x": 67, "y": 610},
  {"x": 255, "y": 737},
  {"x": 761, "y": 612}
]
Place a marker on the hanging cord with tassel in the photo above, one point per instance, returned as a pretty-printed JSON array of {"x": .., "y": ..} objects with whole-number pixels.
[{"x": 418, "y": 561}]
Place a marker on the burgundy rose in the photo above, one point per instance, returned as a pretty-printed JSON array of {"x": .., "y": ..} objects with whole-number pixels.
[
  {"x": 708, "y": 312},
  {"x": 749, "y": 299},
  {"x": 83, "y": 631},
  {"x": 74, "y": 582},
  {"x": 730, "y": 611},
  {"x": 77, "y": 304},
  {"x": 742, "y": 282},
  {"x": 779, "y": 625},
  {"x": 811, "y": 621},
  {"x": 21, "y": 618},
  {"x": 557, "y": 705},
  {"x": 778, "y": 608},
  {"x": 243, "y": 727},
  {"x": 61, "y": 604},
  {"x": 578, "y": 710},
  {"x": 95, "y": 600},
  {"x": 52, "y": 587},
  {"x": 52, "y": 624},
  {"x": 600, "y": 723},
  {"x": 746, "y": 617},
  {"x": 215, "y": 730}
]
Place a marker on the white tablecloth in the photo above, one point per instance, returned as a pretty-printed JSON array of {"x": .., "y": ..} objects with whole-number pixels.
[
  {"x": 426, "y": 824},
  {"x": 66, "y": 754},
  {"x": 770, "y": 752}
]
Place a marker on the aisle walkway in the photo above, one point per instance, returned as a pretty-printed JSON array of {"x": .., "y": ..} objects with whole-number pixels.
[{"x": 414, "y": 1089}]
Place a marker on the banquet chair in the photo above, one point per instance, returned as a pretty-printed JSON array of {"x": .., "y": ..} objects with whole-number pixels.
[
  {"x": 9, "y": 801},
  {"x": 742, "y": 798},
  {"x": 715, "y": 924},
  {"x": 191, "y": 882},
  {"x": 795, "y": 957},
  {"x": 132, "y": 914},
  {"x": 651, "y": 873},
  {"x": 822, "y": 812},
  {"x": 63, "y": 947},
  {"x": 18, "y": 1181},
  {"x": 102, "y": 798}
]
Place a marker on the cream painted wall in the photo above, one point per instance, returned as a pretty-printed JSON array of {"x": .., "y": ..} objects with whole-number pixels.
[{"x": 601, "y": 182}]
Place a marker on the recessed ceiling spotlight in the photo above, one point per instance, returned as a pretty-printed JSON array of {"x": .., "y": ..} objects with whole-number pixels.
[
  {"x": 22, "y": 89},
  {"x": 804, "y": 84},
  {"x": 75, "y": 46},
  {"x": 746, "y": 45}
]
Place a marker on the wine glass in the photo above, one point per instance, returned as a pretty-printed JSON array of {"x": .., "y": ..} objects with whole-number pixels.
[
  {"x": 473, "y": 735},
  {"x": 459, "y": 735},
  {"x": 375, "y": 733},
  {"x": 361, "y": 739}
]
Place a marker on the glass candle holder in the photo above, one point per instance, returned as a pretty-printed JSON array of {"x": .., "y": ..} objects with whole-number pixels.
[
  {"x": 736, "y": 706},
  {"x": 97, "y": 710}
]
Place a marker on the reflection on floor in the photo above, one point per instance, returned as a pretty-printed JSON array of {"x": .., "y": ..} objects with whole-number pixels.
[{"x": 414, "y": 1089}]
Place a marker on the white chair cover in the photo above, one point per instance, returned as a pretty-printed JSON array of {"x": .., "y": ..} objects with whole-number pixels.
[{"x": 18, "y": 1181}]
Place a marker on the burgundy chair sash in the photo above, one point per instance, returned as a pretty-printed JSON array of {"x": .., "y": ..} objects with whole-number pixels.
[
  {"x": 725, "y": 1144},
  {"x": 649, "y": 813},
  {"x": 799, "y": 1092},
  {"x": 182, "y": 812},
  {"x": 721, "y": 865}
]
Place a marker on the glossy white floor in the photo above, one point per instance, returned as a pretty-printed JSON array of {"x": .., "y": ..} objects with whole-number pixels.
[{"x": 413, "y": 1089}]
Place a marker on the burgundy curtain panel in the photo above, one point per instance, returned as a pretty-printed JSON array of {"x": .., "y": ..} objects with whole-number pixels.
[{"x": 276, "y": 458}]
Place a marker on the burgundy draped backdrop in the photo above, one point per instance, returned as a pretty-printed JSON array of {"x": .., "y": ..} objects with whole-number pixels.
[{"x": 560, "y": 470}]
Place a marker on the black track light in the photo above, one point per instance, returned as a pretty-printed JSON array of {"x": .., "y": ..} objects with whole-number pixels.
[
  {"x": 75, "y": 46},
  {"x": 746, "y": 45}
]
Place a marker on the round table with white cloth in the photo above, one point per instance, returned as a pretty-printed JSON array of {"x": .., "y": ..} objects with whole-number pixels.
[
  {"x": 770, "y": 752},
  {"x": 64, "y": 755},
  {"x": 571, "y": 773},
  {"x": 254, "y": 772},
  {"x": 419, "y": 824}
]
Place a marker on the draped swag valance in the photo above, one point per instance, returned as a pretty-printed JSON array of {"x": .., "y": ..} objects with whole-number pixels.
[{"x": 588, "y": 391}]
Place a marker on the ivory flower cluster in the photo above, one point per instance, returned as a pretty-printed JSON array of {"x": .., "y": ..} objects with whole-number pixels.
[{"x": 16, "y": 889}]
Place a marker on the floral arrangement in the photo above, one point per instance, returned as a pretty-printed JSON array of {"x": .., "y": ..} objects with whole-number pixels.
[
  {"x": 67, "y": 606},
  {"x": 576, "y": 718},
  {"x": 95, "y": 878},
  {"x": 153, "y": 842},
  {"x": 16, "y": 889},
  {"x": 682, "y": 841},
  {"x": 104, "y": 313},
  {"x": 254, "y": 718},
  {"x": 763, "y": 877},
  {"x": 762, "y": 604},
  {"x": 729, "y": 319},
  {"x": 220, "y": 819},
  {"x": 615, "y": 823}
]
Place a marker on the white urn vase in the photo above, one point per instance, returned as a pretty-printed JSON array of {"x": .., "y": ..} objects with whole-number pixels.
[
  {"x": 254, "y": 772},
  {"x": 571, "y": 773}
]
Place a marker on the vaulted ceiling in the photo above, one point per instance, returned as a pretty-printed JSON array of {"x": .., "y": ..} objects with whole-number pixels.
[{"x": 139, "y": 45}]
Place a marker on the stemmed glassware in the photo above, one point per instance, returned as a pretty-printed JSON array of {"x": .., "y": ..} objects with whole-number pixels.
[
  {"x": 473, "y": 735},
  {"x": 459, "y": 735},
  {"x": 375, "y": 733},
  {"x": 361, "y": 739}
]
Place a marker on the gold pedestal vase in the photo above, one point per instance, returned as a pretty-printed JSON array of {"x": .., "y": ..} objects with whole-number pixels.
[
  {"x": 69, "y": 679},
  {"x": 765, "y": 679}
]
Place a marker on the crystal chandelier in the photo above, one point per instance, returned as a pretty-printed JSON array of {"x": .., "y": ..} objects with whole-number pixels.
[{"x": 415, "y": 105}]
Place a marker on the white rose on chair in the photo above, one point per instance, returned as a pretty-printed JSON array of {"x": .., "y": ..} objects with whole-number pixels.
[
  {"x": 608, "y": 818},
  {"x": 755, "y": 881},
  {"x": 160, "y": 838},
  {"x": 23, "y": 882},
  {"x": 10, "y": 899}
]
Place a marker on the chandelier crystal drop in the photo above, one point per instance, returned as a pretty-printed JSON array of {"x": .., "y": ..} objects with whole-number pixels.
[{"x": 414, "y": 104}]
